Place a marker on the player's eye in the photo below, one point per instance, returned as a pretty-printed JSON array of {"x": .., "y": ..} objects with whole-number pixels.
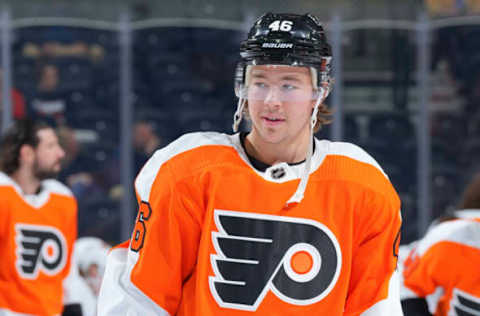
[
  {"x": 260, "y": 85},
  {"x": 289, "y": 87}
]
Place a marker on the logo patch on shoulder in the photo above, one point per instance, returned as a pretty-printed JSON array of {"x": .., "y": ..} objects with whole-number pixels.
[
  {"x": 39, "y": 248},
  {"x": 298, "y": 259}
]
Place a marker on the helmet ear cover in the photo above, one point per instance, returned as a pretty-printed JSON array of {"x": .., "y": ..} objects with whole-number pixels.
[{"x": 287, "y": 39}]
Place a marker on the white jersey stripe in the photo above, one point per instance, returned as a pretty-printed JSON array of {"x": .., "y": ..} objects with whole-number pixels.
[
  {"x": 118, "y": 295},
  {"x": 391, "y": 305},
  {"x": 461, "y": 231},
  {"x": 49, "y": 186},
  {"x": 6, "y": 312}
]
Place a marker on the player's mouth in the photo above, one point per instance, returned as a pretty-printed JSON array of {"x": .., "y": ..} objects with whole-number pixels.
[{"x": 272, "y": 121}]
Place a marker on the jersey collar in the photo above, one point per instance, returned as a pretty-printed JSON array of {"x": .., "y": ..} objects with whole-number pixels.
[{"x": 260, "y": 165}]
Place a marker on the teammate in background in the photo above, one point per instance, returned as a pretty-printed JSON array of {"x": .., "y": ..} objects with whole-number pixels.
[
  {"x": 38, "y": 223},
  {"x": 441, "y": 272},
  {"x": 270, "y": 222},
  {"x": 89, "y": 255}
]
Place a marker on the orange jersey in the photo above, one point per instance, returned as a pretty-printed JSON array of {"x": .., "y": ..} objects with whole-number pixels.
[
  {"x": 214, "y": 236},
  {"x": 443, "y": 268},
  {"x": 36, "y": 235}
]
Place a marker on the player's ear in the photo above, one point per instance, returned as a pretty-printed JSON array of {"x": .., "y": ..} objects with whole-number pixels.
[{"x": 26, "y": 154}]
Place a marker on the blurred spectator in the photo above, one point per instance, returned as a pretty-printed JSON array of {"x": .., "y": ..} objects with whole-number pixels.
[
  {"x": 17, "y": 99},
  {"x": 145, "y": 142},
  {"x": 49, "y": 102},
  {"x": 81, "y": 181},
  {"x": 445, "y": 96},
  {"x": 141, "y": 10},
  {"x": 49, "y": 78}
]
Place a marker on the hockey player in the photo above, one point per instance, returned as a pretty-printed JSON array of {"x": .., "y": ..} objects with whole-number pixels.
[
  {"x": 89, "y": 256},
  {"x": 441, "y": 272},
  {"x": 270, "y": 222},
  {"x": 38, "y": 223}
]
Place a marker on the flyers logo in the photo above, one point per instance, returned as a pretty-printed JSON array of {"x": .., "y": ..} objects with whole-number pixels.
[
  {"x": 464, "y": 304},
  {"x": 411, "y": 263},
  {"x": 299, "y": 260},
  {"x": 39, "y": 248}
]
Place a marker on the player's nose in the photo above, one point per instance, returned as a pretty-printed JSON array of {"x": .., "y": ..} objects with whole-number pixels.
[
  {"x": 273, "y": 97},
  {"x": 61, "y": 153}
]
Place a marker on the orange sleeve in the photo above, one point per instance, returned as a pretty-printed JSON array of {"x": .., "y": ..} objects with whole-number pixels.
[
  {"x": 165, "y": 239},
  {"x": 374, "y": 256},
  {"x": 423, "y": 273}
]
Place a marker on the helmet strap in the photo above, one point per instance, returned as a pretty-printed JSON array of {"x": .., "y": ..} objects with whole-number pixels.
[
  {"x": 237, "y": 117},
  {"x": 297, "y": 197}
]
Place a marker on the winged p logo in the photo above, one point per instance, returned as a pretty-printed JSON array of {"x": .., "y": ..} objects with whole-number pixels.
[
  {"x": 464, "y": 304},
  {"x": 39, "y": 248},
  {"x": 298, "y": 259}
]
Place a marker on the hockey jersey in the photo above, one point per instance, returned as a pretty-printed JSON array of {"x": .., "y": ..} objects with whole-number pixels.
[
  {"x": 36, "y": 235},
  {"x": 214, "y": 236},
  {"x": 443, "y": 269}
]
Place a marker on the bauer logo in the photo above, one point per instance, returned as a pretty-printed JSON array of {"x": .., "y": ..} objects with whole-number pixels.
[
  {"x": 299, "y": 260},
  {"x": 277, "y": 45},
  {"x": 39, "y": 248}
]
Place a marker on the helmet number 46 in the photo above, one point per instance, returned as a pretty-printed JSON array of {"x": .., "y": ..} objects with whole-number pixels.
[{"x": 278, "y": 25}]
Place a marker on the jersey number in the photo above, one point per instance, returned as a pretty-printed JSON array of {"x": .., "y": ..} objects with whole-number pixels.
[
  {"x": 284, "y": 26},
  {"x": 138, "y": 236}
]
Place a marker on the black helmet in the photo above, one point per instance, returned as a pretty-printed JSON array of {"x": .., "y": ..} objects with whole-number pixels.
[{"x": 286, "y": 39}]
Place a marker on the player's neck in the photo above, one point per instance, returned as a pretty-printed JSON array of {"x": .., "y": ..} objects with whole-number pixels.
[
  {"x": 26, "y": 181},
  {"x": 272, "y": 153}
]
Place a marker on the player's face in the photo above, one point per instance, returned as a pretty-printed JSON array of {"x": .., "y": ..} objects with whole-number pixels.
[
  {"x": 94, "y": 278},
  {"x": 280, "y": 103},
  {"x": 48, "y": 155}
]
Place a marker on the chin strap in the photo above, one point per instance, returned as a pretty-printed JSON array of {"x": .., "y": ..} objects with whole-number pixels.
[
  {"x": 237, "y": 118},
  {"x": 297, "y": 197}
]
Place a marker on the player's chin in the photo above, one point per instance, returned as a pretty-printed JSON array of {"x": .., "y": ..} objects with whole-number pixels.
[
  {"x": 273, "y": 136},
  {"x": 56, "y": 168},
  {"x": 53, "y": 171},
  {"x": 45, "y": 175}
]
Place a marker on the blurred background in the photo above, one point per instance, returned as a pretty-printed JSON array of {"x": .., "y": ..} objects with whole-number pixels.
[{"x": 121, "y": 79}]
